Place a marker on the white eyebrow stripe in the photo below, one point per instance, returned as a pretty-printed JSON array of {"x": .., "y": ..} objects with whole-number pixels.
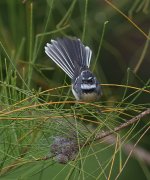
[{"x": 90, "y": 78}]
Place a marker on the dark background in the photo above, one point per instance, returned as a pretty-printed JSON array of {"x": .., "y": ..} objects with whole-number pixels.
[{"x": 121, "y": 50}]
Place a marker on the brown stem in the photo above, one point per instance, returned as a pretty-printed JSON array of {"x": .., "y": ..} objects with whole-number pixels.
[{"x": 124, "y": 125}]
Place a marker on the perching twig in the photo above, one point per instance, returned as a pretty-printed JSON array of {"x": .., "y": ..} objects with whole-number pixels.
[
  {"x": 99, "y": 136},
  {"x": 122, "y": 126},
  {"x": 102, "y": 135}
]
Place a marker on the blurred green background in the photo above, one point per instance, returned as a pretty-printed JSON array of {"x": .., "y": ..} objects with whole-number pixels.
[
  {"x": 26, "y": 26},
  {"x": 121, "y": 48}
]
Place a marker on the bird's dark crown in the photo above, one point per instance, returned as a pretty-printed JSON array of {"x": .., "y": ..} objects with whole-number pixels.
[{"x": 87, "y": 77}]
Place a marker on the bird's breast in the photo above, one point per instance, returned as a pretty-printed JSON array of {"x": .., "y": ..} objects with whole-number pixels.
[{"x": 89, "y": 97}]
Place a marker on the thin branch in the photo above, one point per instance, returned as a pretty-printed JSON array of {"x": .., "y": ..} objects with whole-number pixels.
[
  {"x": 122, "y": 126},
  {"x": 138, "y": 152},
  {"x": 105, "y": 134}
]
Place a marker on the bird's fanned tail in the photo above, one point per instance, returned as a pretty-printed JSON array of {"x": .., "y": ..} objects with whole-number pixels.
[{"x": 66, "y": 53}]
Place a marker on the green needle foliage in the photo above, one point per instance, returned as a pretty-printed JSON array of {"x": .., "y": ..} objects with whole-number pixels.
[{"x": 44, "y": 133}]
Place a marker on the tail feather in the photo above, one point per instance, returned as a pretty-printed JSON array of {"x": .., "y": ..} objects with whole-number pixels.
[
  {"x": 66, "y": 53},
  {"x": 55, "y": 55}
]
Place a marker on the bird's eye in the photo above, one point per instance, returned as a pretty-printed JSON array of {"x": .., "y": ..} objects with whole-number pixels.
[
  {"x": 90, "y": 80},
  {"x": 87, "y": 81}
]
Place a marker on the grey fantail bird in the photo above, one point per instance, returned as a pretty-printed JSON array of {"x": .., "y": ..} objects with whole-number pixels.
[{"x": 74, "y": 59}]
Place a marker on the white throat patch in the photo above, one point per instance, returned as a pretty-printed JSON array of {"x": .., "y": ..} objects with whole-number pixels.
[{"x": 88, "y": 86}]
